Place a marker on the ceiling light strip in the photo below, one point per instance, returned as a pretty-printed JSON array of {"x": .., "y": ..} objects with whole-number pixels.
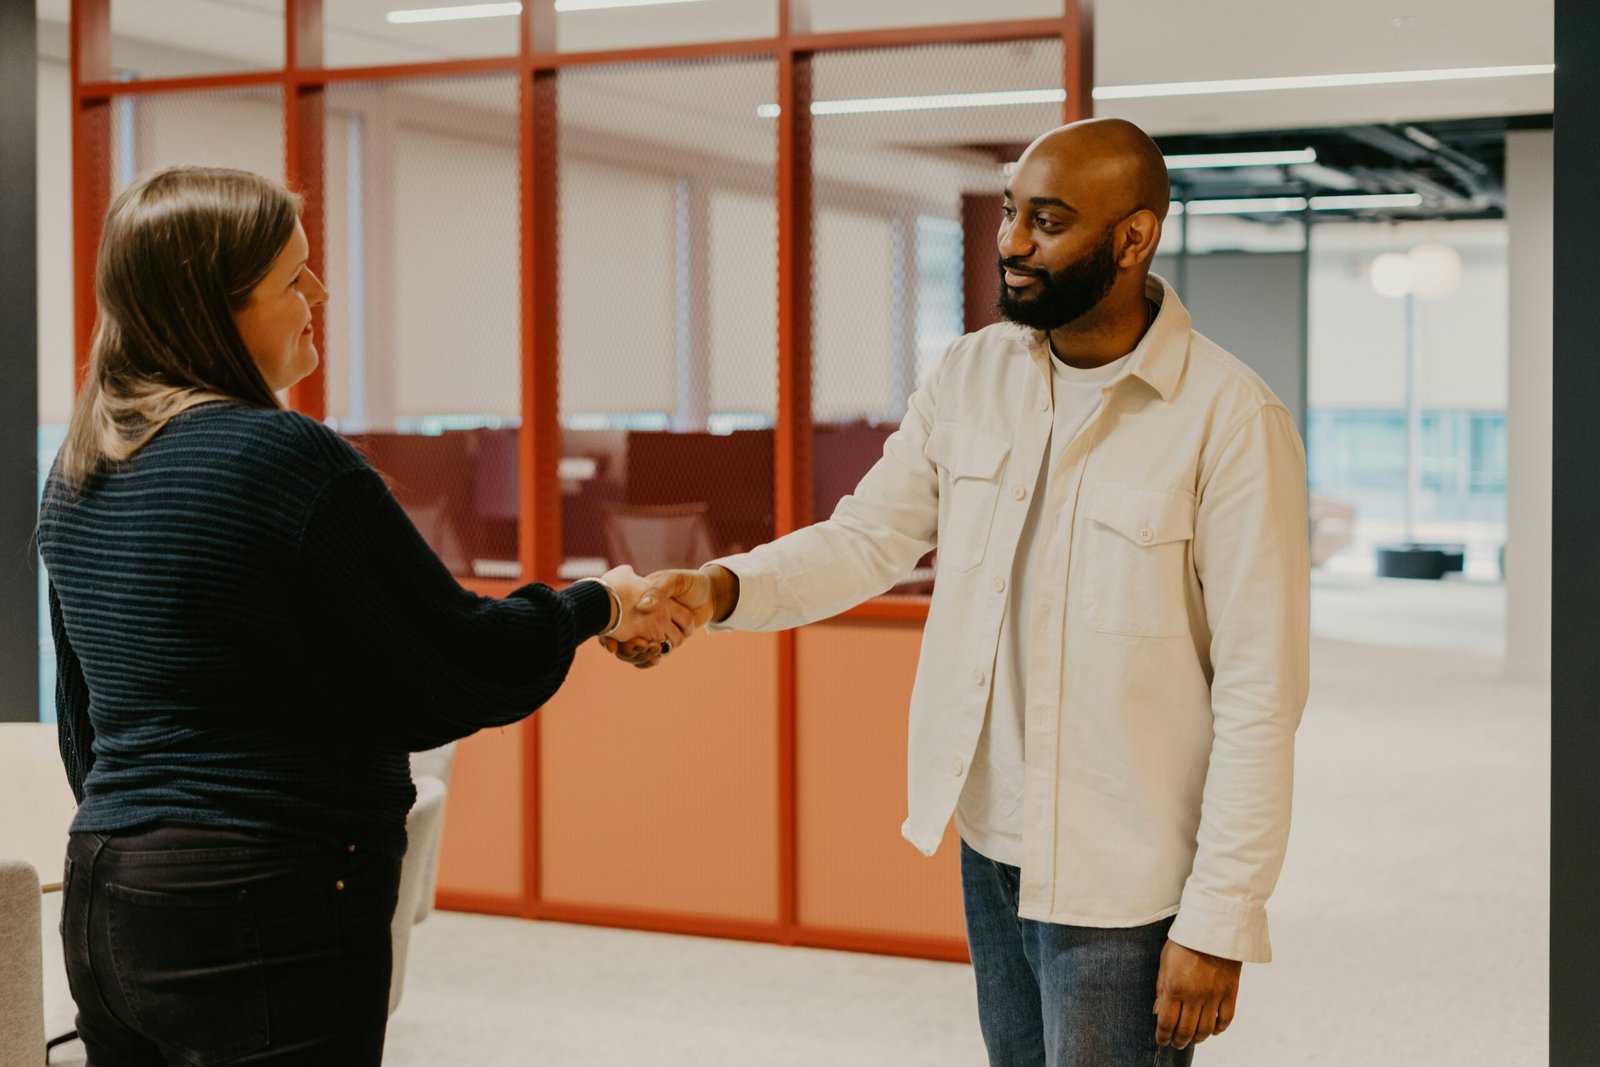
[
  {"x": 1277, "y": 205},
  {"x": 1241, "y": 159},
  {"x": 1316, "y": 81},
  {"x": 872, "y": 105},
  {"x": 453, "y": 14}
]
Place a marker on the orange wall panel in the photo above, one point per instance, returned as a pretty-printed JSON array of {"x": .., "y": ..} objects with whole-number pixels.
[
  {"x": 481, "y": 851},
  {"x": 659, "y": 788},
  {"x": 853, "y": 689}
]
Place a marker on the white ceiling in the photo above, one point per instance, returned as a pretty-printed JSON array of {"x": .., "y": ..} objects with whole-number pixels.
[{"x": 1137, "y": 41}]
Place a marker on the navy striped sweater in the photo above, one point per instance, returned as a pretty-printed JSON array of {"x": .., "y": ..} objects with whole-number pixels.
[{"x": 250, "y": 632}]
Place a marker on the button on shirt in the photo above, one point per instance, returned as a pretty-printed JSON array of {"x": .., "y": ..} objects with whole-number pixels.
[
  {"x": 1167, "y": 644},
  {"x": 989, "y": 814}
]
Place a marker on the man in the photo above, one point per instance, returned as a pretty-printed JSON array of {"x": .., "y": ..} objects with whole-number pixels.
[{"x": 1115, "y": 658}]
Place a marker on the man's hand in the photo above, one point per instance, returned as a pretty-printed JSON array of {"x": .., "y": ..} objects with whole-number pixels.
[
  {"x": 650, "y": 625},
  {"x": 701, "y": 595},
  {"x": 1196, "y": 995}
]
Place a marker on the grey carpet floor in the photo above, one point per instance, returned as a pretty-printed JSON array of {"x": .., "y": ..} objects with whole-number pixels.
[{"x": 1409, "y": 925}]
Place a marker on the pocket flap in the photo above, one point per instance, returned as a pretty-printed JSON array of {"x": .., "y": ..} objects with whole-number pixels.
[
  {"x": 966, "y": 453},
  {"x": 1144, "y": 516}
]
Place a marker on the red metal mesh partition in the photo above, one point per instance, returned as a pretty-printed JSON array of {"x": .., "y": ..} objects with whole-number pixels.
[
  {"x": 423, "y": 349},
  {"x": 905, "y": 173},
  {"x": 828, "y": 16},
  {"x": 360, "y": 33},
  {"x": 597, "y": 25},
  {"x": 182, "y": 38},
  {"x": 668, "y": 312},
  {"x": 240, "y": 128}
]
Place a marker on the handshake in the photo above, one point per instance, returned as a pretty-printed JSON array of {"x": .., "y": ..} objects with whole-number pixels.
[{"x": 659, "y": 612}]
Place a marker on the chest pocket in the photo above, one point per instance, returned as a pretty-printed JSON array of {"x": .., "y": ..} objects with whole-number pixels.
[
  {"x": 970, "y": 462},
  {"x": 1138, "y": 559}
]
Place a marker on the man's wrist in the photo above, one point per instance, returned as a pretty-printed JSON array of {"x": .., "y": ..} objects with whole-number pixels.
[{"x": 724, "y": 590}]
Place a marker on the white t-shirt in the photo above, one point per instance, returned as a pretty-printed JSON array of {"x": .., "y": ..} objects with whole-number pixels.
[{"x": 989, "y": 814}]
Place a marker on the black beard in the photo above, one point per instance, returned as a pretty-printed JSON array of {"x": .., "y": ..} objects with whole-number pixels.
[{"x": 1064, "y": 296}]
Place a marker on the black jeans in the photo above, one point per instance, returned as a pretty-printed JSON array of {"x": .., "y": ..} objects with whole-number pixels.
[{"x": 189, "y": 945}]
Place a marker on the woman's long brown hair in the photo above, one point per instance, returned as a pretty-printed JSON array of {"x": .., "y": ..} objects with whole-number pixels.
[{"x": 180, "y": 252}]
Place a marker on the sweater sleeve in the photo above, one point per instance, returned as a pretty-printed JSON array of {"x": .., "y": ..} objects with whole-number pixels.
[
  {"x": 393, "y": 636},
  {"x": 74, "y": 732}
]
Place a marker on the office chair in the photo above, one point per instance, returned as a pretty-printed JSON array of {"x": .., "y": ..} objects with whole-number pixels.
[{"x": 657, "y": 537}]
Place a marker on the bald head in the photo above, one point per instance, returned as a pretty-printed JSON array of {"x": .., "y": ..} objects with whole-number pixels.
[
  {"x": 1083, "y": 215},
  {"x": 1111, "y": 167}
]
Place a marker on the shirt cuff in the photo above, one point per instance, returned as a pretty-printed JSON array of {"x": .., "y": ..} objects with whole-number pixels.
[
  {"x": 591, "y": 608},
  {"x": 1220, "y": 927},
  {"x": 755, "y": 594}
]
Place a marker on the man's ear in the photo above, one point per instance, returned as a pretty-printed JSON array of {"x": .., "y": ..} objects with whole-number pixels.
[{"x": 1139, "y": 234}]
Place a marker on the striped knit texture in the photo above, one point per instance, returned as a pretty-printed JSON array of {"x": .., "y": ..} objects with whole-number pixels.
[{"x": 250, "y": 632}]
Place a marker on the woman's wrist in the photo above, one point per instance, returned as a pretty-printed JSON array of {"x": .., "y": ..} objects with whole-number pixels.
[{"x": 614, "y": 619}]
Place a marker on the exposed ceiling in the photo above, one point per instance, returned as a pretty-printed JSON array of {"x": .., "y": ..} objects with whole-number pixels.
[
  {"x": 1137, "y": 42},
  {"x": 1441, "y": 140}
]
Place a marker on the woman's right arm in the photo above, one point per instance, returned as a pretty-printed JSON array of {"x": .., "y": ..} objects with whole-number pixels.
[
  {"x": 74, "y": 733},
  {"x": 393, "y": 636}
]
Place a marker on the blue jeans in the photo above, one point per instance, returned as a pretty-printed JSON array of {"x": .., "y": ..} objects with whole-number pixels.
[{"x": 1060, "y": 996}]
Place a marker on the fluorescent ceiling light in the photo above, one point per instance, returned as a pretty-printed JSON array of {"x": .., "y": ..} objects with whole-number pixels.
[
  {"x": 870, "y": 105},
  {"x": 1372, "y": 200},
  {"x": 1275, "y": 205},
  {"x": 452, "y": 14},
  {"x": 1265, "y": 205},
  {"x": 936, "y": 102},
  {"x": 1315, "y": 81},
  {"x": 1242, "y": 159},
  {"x": 459, "y": 12}
]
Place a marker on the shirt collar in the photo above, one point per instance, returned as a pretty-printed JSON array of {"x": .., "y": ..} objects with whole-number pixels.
[{"x": 1159, "y": 357}]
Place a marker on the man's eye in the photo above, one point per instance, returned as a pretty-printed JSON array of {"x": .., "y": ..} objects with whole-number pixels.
[{"x": 1009, "y": 211}]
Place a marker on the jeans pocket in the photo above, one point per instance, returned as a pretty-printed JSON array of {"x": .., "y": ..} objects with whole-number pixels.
[{"x": 191, "y": 970}]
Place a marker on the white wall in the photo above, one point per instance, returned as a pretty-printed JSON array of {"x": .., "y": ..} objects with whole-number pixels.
[
  {"x": 743, "y": 301},
  {"x": 852, "y": 342},
  {"x": 1357, "y": 338},
  {"x": 1530, "y": 210},
  {"x": 618, "y": 289},
  {"x": 457, "y": 316}
]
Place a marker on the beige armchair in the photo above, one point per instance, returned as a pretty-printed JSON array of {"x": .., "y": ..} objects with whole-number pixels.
[
  {"x": 423, "y": 825},
  {"x": 36, "y": 809},
  {"x": 21, "y": 967}
]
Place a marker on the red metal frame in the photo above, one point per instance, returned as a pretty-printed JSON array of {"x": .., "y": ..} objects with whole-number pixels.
[
  {"x": 89, "y": 45},
  {"x": 538, "y": 64},
  {"x": 305, "y": 138},
  {"x": 539, "y": 444}
]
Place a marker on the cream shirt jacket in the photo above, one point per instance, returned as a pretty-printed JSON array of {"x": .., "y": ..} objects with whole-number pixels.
[{"x": 1167, "y": 662}]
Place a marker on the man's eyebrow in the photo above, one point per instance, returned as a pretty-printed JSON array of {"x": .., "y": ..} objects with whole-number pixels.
[{"x": 1050, "y": 201}]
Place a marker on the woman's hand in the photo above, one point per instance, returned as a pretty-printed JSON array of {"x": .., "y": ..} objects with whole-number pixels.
[{"x": 651, "y": 630}]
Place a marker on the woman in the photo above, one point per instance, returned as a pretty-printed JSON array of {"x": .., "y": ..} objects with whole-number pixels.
[{"x": 251, "y": 639}]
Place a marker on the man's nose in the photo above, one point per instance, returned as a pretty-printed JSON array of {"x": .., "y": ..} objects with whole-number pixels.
[{"x": 1014, "y": 239}]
